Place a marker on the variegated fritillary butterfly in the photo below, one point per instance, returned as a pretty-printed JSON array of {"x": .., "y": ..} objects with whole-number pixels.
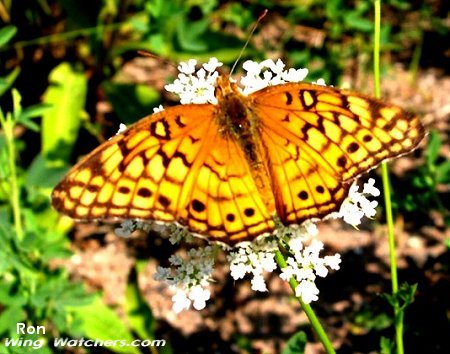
[{"x": 226, "y": 170}]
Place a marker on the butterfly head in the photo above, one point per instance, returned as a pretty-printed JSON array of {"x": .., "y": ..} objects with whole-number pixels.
[{"x": 225, "y": 87}]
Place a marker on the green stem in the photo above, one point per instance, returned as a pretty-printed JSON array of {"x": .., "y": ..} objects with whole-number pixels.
[
  {"x": 64, "y": 35},
  {"x": 376, "y": 48},
  {"x": 8, "y": 130},
  {"x": 313, "y": 320},
  {"x": 398, "y": 313},
  {"x": 390, "y": 225}
]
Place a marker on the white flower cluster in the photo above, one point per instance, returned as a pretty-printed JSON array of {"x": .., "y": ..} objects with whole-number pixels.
[
  {"x": 356, "y": 206},
  {"x": 305, "y": 264},
  {"x": 196, "y": 86},
  {"x": 189, "y": 278},
  {"x": 253, "y": 258},
  {"x": 268, "y": 73},
  {"x": 129, "y": 226}
]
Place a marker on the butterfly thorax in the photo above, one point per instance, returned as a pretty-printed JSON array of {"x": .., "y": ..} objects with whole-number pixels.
[{"x": 237, "y": 121}]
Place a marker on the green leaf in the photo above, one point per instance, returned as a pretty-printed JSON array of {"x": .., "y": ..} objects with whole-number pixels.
[
  {"x": 101, "y": 322},
  {"x": 386, "y": 346},
  {"x": 296, "y": 344},
  {"x": 9, "y": 317},
  {"x": 403, "y": 298},
  {"x": 32, "y": 112},
  {"x": 447, "y": 243},
  {"x": 443, "y": 173},
  {"x": 131, "y": 102},
  {"x": 37, "y": 347},
  {"x": 67, "y": 94},
  {"x": 353, "y": 20},
  {"x": 189, "y": 35},
  {"x": 43, "y": 174},
  {"x": 6, "y": 33},
  {"x": 433, "y": 147},
  {"x": 7, "y": 81}
]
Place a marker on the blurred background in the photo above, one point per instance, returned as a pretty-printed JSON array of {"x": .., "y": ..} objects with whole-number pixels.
[{"x": 70, "y": 73}]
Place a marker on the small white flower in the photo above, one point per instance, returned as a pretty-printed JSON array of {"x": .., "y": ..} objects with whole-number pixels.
[
  {"x": 162, "y": 273},
  {"x": 350, "y": 212},
  {"x": 369, "y": 188},
  {"x": 356, "y": 205},
  {"x": 196, "y": 86},
  {"x": 144, "y": 226},
  {"x": 310, "y": 228},
  {"x": 307, "y": 290},
  {"x": 190, "y": 277},
  {"x": 251, "y": 67},
  {"x": 187, "y": 68},
  {"x": 333, "y": 261},
  {"x": 258, "y": 283},
  {"x": 179, "y": 234},
  {"x": 160, "y": 108},
  {"x": 126, "y": 228},
  {"x": 212, "y": 65},
  {"x": 180, "y": 301},
  {"x": 268, "y": 73},
  {"x": 294, "y": 75},
  {"x": 122, "y": 128},
  {"x": 199, "y": 296},
  {"x": 253, "y": 258},
  {"x": 305, "y": 265},
  {"x": 320, "y": 82}
]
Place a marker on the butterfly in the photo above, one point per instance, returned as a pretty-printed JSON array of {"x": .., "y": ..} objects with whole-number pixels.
[{"x": 230, "y": 171}]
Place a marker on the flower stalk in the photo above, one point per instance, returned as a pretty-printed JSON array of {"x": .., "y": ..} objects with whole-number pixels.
[
  {"x": 398, "y": 312},
  {"x": 313, "y": 320}
]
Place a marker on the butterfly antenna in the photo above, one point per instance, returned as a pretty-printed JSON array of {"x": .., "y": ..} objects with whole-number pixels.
[
  {"x": 248, "y": 39},
  {"x": 157, "y": 57}
]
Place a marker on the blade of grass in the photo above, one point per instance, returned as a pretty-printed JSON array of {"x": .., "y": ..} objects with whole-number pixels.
[
  {"x": 7, "y": 123},
  {"x": 398, "y": 313}
]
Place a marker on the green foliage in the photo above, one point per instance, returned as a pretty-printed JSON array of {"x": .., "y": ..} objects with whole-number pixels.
[
  {"x": 447, "y": 243},
  {"x": 296, "y": 344},
  {"x": 371, "y": 319},
  {"x": 33, "y": 291},
  {"x": 403, "y": 298},
  {"x": 6, "y": 34},
  {"x": 386, "y": 346},
  {"x": 425, "y": 182},
  {"x": 139, "y": 315},
  {"x": 66, "y": 95},
  {"x": 100, "y": 322},
  {"x": 131, "y": 102}
]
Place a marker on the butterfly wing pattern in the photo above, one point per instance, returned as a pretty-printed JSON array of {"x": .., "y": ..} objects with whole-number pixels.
[
  {"x": 225, "y": 170},
  {"x": 171, "y": 166},
  {"x": 320, "y": 138}
]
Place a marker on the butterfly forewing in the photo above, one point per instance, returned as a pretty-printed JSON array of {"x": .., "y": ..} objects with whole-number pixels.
[{"x": 172, "y": 166}]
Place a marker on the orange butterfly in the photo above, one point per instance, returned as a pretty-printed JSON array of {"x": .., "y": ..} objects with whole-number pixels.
[{"x": 229, "y": 171}]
